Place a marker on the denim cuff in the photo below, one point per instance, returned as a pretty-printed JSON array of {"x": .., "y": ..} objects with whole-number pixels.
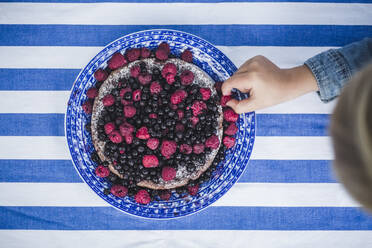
[{"x": 331, "y": 71}]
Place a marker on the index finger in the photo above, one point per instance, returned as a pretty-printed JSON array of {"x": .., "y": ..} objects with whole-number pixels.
[{"x": 237, "y": 82}]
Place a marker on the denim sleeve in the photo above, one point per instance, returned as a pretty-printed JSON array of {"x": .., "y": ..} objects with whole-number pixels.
[{"x": 334, "y": 68}]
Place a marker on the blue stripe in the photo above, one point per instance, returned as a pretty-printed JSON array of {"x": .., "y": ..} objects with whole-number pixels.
[
  {"x": 183, "y": 1},
  {"x": 258, "y": 171},
  {"x": 267, "y": 124},
  {"x": 244, "y": 35},
  {"x": 212, "y": 218},
  {"x": 31, "y": 125},
  {"x": 37, "y": 79},
  {"x": 292, "y": 124}
]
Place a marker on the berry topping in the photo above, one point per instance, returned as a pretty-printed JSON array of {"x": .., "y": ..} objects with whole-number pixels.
[
  {"x": 87, "y": 107},
  {"x": 153, "y": 116},
  {"x": 198, "y": 148},
  {"x": 155, "y": 88},
  {"x": 152, "y": 143},
  {"x": 165, "y": 195},
  {"x": 230, "y": 116},
  {"x": 170, "y": 78},
  {"x": 206, "y": 93},
  {"x": 168, "y": 173},
  {"x": 145, "y": 52},
  {"x": 150, "y": 161},
  {"x": 128, "y": 139},
  {"x": 135, "y": 71},
  {"x": 187, "y": 77},
  {"x": 164, "y": 46},
  {"x": 231, "y": 129},
  {"x": 161, "y": 54},
  {"x": 198, "y": 107},
  {"x": 185, "y": 149},
  {"x": 115, "y": 137},
  {"x": 178, "y": 96},
  {"x": 212, "y": 142},
  {"x": 180, "y": 114},
  {"x": 117, "y": 60},
  {"x": 142, "y": 197},
  {"x": 229, "y": 141},
  {"x": 169, "y": 68},
  {"x": 144, "y": 78},
  {"x": 92, "y": 93},
  {"x": 108, "y": 100},
  {"x": 119, "y": 190},
  {"x": 186, "y": 56},
  {"x": 133, "y": 54},
  {"x": 143, "y": 133},
  {"x": 180, "y": 127},
  {"x": 100, "y": 75},
  {"x": 126, "y": 129},
  {"x": 109, "y": 127},
  {"x": 129, "y": 111},
  {"x": 193, "y": 190},
  {"x": 102, "y": 171},
  {"x": 224, "y": 100},
  {"x": 123, "y": 91},
  {"x": 194, "y": 120},
  {"x": 168, "y": 148},
  {"x": 137, "y": 95}
]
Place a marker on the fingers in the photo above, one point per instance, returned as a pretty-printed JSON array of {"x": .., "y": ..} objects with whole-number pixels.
[
  {"x": 243, "y": 106},
  {"x": 237, "y": 81}
]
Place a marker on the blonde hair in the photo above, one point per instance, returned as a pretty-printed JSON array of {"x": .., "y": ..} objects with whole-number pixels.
[{"x": 351, "y": 126}]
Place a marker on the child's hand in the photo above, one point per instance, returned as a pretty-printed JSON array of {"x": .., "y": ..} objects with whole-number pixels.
[{"x": 267, "y": 84}]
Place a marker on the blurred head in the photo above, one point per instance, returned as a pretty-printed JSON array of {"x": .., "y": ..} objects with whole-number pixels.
[{"x": 351, "y": 130}]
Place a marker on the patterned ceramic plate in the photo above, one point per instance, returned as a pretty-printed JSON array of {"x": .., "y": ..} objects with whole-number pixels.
[{"x": 214, "y": 63}]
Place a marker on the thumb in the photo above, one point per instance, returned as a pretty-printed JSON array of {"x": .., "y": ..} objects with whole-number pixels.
[{"x": 243, "y": 106}]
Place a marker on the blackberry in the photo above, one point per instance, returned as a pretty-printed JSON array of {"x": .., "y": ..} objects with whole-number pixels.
[
  {"x": 167, "y": 87},
  {"x": 106, "y": 191},
  {"x": 95, "y": 158},
  {"x": 128, "y": 96},
  {"x": 140, "y": 149}
]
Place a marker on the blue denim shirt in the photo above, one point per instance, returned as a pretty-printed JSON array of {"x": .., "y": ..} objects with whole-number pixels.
[{"x": 334, "y": 68}]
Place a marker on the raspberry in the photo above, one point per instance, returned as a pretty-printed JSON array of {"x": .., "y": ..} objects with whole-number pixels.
[
  {"x": 137, "y": 95},
  {"x": 128, "y": 138},
  {"x": 198, "y": 107},
  {"x": 119, "y": 190},
  {"x": 115, "y": 137},
  {"x": 224, "y": 100},
  {"x": 125, "y": 90},
  {"x": 155, "y": 88},
  {"x": 212, "y": 142},
  {"x": 186, "y": 56},
  {"x": 168, "y": 173},
  {"x": 152, "y": 143},
  {"x": 142, "y": 197},
  {"x": 117, "y": 60},
  {"x": 92, "y": 93},
  {"x": 144, "y": 78},
  {"x": 180, "y": 114},
  {"x": 231, "y": 129},
  {"x": 198, "y": 148},
  {"x": 180, "y": 127},
  {"x": 218, "y": 86},
  {"x": 100, "y": 75},
  {"x": 185, "y": 149},
  {"x": 193, "y": 190},
  {"x": 161, "y": 54},
  {"x": 126, "y": 129},
  {"x": 87, "y": 106},
  {"x": 168, "y": 147},
  {"x": 108, "y": 100},
  {"x": 164, "y": 46},
  {"x": 150, "y": 161},
  {"x": 102, "y": 171},
  {"x": 153, "y": 116},
  {"x": 230, "y": 116},
  {"x": 178, "y": 96},
  {"x": 169, "y": 68},
  {"x": 206, "y": 93},
  {"x": 135, "y": 71},
  {"x": 165, "y": 195},
  {"x": 129, "y": 111},
  {"x": 187, "y": 77},
  {"x": 143, "y": 133},
  {"x": 229, "y": 141},
  {"x": 133, "y": 54},
  {"x": 109, "y": 127},
  {"x": 194, "y": 120},
  {"x": 145, "y": 52},
  {"x": 170, "y": 78}
]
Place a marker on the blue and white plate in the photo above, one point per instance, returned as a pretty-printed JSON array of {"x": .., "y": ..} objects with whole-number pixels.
[{"x": 213, "y": 62}]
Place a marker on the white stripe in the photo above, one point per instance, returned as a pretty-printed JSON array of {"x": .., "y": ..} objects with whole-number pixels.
[
  {"x": 185, "y": 238},
  {"x": 265, "y": 147},
  {"x": 70, "y": 57},
  {"x": 241, "y": 194},
  {"x": 192, "y": 13}
]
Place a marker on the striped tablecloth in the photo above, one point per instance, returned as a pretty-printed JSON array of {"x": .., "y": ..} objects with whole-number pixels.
[{"x": 287, "y": 196}]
